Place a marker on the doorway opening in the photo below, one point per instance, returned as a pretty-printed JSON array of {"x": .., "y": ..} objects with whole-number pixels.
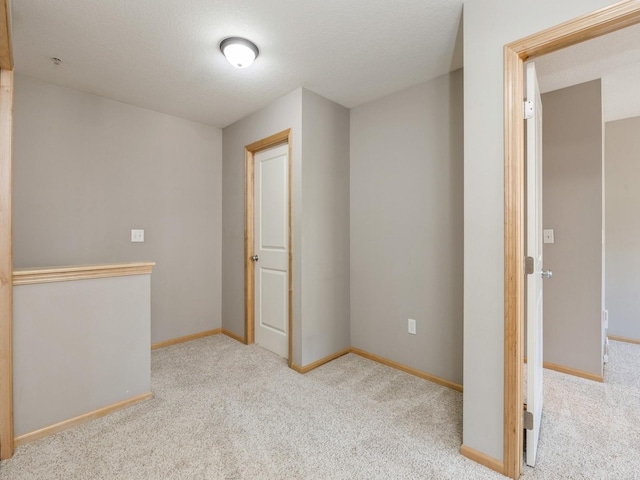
[
  {"x": 271, "y": 240},
  {"x": 601, "y": 22}
]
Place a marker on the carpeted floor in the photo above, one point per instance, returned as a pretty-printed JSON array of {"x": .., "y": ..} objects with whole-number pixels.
[
  {"x": 226, "y": 411},
  {"x": 591, "y": 430}
]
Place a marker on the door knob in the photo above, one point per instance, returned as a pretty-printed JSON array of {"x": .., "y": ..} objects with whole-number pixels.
[
  {"x": 254, "y": 258},
  {"x": 547, "y": 274}
]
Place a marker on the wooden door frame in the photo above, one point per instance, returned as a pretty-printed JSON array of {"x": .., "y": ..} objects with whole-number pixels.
[
  {"x": 6, "y": 246},
  {"x": 249, "y": 267},
  {"x": 606, "y": 20},
  {"x": 6, "y": 266}
]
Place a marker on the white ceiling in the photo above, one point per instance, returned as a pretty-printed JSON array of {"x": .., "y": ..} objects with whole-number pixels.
[
  {"x": 615, "y": 58},
  {"x": 164, "y": 55}
]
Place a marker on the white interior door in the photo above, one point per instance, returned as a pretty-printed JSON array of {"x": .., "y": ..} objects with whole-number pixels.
[
  {"x": 271, "y": 249},
  {"x": 533, "y": 113}
]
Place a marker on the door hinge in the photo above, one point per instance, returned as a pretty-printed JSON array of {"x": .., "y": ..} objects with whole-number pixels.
[
  {"x": 528, "y": 265},
  {"x": 528, "y": 110},
  {"x": 527, "y": 420}
]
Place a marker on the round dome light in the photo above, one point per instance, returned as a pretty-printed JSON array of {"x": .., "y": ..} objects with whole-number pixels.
[{"x": 239, "y": 51}]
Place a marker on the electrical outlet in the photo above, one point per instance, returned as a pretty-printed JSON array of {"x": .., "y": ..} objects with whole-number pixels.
[
  {"x": 412, "y": 326},
  {"x": 547, "y": 236},
  {"x": 137, "y": 235}
]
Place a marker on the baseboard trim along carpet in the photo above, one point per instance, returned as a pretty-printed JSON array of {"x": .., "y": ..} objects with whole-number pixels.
[
  {"x": 237, "y": 338},
  {"x": 405, "y": 368},
  {"x": 327, "y": 359},
  {"x": 573, "y": 371},
  {"x": 79, "y": 420},
  {"x": 482, "y": 459},
  {"x": 186, "y": 338},
  {"x": 616, "y": 338},
  {"x": 322, "y": 361}
]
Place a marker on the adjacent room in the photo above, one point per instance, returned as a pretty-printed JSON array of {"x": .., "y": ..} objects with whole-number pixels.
[
  {"x": 591, "y": 105},
  {"x": 589, "y": 108}
]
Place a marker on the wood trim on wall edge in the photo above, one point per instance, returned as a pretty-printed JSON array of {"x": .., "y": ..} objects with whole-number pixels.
[
  {"x": 322, "y": 361},
  {"x": 410, "y": 370},
  {"x": 79, "y": 420},
  {"x": 6, "y": 50},
  {"x": 249, "y": 273},
  {"x": 573, "y": 371},
  {"x": 30, "y": 276},
  {"x": 616, "y": 338},
  {"x": 606, "y": 20},
  {"x": 6, "y": 265},
  {"x": 513, "y": 266},
  {"x": 186, "y": 338},
  {"x": 230, "y": 334},
  {"x": 481, "y": 458}
]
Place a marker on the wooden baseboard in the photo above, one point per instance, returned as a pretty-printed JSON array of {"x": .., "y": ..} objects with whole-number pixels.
[
  {"x": 322, "y": 361},
  {"x": 616, "y": 338},
  {"x": 72, "y": 422},
  {"x": 229, "y": 334},
  {"x": 405, "y": 368},
  {"x": 482, "y": 459},
  {"x": 186, "y": 338},
  {"x": 573, "y": 371}
]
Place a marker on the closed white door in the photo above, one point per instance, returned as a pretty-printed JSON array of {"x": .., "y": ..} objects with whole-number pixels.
[
  {"x": 533, "y": 114},
  {"x": 271, "y": 249}
]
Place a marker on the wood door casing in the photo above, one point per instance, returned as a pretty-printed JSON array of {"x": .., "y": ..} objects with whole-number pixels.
[
  {"x": 606, "y": 20},
  {"x": 250, "y": 151}
]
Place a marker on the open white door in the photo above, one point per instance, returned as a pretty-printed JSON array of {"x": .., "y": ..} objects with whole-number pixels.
[
  {"x": 271, "y": 249},
  {"x": 533, "y": 114}
]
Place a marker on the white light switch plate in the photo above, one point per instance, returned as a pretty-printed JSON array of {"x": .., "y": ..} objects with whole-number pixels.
[
  {"x": 547, "y": 236},
  {"x": 137, "y": 235},
  {"x": 411, "y": 326}
]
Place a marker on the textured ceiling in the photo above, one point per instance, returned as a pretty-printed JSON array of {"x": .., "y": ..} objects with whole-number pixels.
[
  {"x": 163, "y": 54},
  {"x": 615, "y": 58}
]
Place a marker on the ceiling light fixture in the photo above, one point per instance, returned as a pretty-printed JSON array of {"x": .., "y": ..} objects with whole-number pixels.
[{"x": 239, "y": 51}]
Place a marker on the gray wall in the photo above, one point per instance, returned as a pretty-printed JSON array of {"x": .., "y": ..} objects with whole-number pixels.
[
  {"x": 92, "y": 343},
  {"x": 488, "y": 26},
  {"x": 407, "y": 226},
  {"x": 325, "y": 227},
  {"x": 572, "y": 207},
  {"x": 622, "y": 204},
  {"x": 284, "y": 113},
  {"x": 320, "y": 141},
  {"x": 88, "y": 169}
]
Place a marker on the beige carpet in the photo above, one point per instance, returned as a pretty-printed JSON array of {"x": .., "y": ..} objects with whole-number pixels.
[
  {"x": 226, "y": 411},
  {"x": 591, "y": 430}
]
